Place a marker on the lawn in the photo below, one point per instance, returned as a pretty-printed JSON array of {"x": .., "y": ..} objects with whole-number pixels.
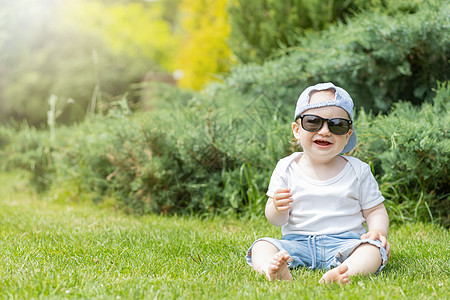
[{"x": 50, "y": 249}]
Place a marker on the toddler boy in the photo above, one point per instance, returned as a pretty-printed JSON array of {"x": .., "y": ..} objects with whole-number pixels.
[{"x": 322, "y": 199}]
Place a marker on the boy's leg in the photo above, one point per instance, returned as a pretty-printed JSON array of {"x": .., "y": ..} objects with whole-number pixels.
[
  {"x": 366, "y": 259},
  {"x": 268, "y": 260}
]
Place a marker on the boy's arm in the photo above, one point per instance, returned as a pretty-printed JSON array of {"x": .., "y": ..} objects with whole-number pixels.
[
  {"x": 278, "y": 207},
  {"x": 377, "y": 221}
]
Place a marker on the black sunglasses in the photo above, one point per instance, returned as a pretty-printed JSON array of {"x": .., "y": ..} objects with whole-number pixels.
[{"x": 313, "y": 123}]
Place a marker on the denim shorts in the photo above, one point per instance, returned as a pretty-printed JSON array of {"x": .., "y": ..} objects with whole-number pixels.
[{"x": 319, "y": 251}]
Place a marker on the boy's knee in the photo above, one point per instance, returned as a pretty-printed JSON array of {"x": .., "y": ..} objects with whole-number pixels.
[
  {"x": 262, "y": 245},
  {"x": 371, "y": 250}
]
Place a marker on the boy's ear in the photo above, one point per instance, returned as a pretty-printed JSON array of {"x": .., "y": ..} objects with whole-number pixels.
[
  {"x": 349, "y": 134},
  {"x": 296, "y": 130}
]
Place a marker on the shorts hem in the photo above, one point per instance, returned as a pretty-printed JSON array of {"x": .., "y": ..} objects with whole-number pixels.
[{"x": 342, "y": 255}]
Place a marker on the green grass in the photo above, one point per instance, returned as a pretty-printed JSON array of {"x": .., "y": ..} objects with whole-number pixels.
[{"x": 50, "y": 249}]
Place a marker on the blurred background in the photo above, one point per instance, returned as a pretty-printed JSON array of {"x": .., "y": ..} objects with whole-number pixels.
[
  {"x": 82, "y": 52},
  {"x": 88, "y": 53},
  {"x": 185, "y": 106}
]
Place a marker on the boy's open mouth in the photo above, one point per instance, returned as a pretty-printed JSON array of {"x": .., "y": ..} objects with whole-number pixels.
[{"x": 322, "y": 143}]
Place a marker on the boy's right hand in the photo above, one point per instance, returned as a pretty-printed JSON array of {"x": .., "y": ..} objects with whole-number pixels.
[{"x": 282, "y": 200}]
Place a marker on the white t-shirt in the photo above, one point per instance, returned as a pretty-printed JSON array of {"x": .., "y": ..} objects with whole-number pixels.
[{"x": 326, "y": 207}]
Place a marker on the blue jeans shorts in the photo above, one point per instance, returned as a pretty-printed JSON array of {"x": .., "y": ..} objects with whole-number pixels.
[{"x": 319, "y": 251}]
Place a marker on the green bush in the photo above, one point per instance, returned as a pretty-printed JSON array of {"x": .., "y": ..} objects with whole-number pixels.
[
  {"x": 379, "y": 58},
  {"x": 209, "y": 158},
  {"x": 28, "y": 148},
  {"x": 260, "y": 28},
  {"x": 410, "y": 149},
  {"x": 201, "y": 158}
]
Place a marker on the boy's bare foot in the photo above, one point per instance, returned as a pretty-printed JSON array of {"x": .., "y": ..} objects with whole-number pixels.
[
  {"x": 338, "y": 275},
  {"x": 278, "y": 268}
]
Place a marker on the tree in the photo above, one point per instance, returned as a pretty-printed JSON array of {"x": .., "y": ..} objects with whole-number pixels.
[{"x": 204, "y": 54}]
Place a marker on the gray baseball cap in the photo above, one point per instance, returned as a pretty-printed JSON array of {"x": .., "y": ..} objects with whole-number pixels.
[{"x": 341, "y": 99}]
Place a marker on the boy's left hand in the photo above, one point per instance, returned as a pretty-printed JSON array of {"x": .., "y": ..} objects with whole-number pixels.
[{"x": 376, "y": 235}]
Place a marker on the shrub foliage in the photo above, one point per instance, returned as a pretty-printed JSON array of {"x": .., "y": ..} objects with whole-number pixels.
[
  {"x": 260, "y": 28},
  {"x": 207, "y": 160},
  {"x": 410, "y": 150},
  {"x": 214, "y": 151},
  {"x": 379, "y": 58}
]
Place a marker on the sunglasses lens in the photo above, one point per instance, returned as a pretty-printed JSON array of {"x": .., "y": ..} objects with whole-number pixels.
[
  {"x": 311, "y": 123},
  {"x": 314, "y": 123},
  {"x": 339, "y": 126}
]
